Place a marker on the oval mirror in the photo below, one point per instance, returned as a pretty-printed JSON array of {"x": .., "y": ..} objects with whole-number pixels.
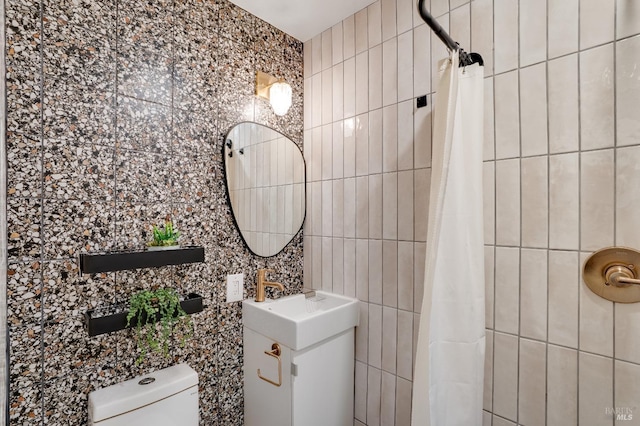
[{"x": 265, "y": 174}]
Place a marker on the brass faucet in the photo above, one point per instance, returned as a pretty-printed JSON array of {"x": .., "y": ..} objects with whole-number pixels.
[{"x": 262, "y": 283}]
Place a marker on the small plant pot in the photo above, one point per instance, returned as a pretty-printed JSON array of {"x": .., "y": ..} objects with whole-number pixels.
[{"x": 162, "y": 248}]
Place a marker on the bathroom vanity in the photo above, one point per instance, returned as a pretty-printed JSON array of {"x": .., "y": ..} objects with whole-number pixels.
[{"x": 299, "y": 360}]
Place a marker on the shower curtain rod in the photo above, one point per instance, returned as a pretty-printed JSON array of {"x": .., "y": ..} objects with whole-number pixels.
[{"x": 452, "y": 45}]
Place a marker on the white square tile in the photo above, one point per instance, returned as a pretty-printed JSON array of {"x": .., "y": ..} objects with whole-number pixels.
[
  {"x": 563, "y": 27},
  {"x": 533, "y": 32},
  {"x": 375, "y": 141},
  {"x": 316, "y": 100},
  {"x": 535, "y": 206},
  {"x": 562, "y": 386},
  {"x": 337, "y": 44},
  {"x": 326, "y": 145},
  {"x": 507, "y": 289},
  {"x": 338, "y": 208},
  {"x": 438, "y": 51},
  {"x": 627, "y": 393},
  {"x": 388, "y": 401},
  {"x": 375, "y": 77},
  {"x": 349, "y": 147},
  {"x": 627, "y": 201},
  {"x": 404, "y": 345},
  {"x": 362, "y": 270},
  {"x": 390, "y": 138},
  {"x": 419, "y": 254},
  {"x": 421, "y": 60},
  {"x": 489, "y": 142},
  {"x": 505, "y": 376},
  {"x": 327, "y": 264},
  {"x": 390, "y": 273},
  {"x": 597, "y": 22},
  {"x": 374, "y": 396},
  {"x": 489, "y": 285},
  {"x": 563, "y": 104},
  {"x": 327, "y": 208},
  {"x": 563, "y": 201},
  {"x": 327, "y": 56},
  {"x": 362, "y": 144},
  {"x": 338, "y": 266},
  {"x": 422, "y": 182},
  {"x": 506, "y": 116},
  {"x": 308, "y": 92},
  {"x": 486, "y": 418},
  {"x": 388, "y": 12},
  {"x": 627, "y": 19},
  {"x": 595, "y": 391},
  {"x": 422, "y": 136},
  {"x": 596, "y": 322},
  {"x": 533, "y": 294},
  {"x": 597, "y": 201},
  {"x": 375, "y": 206},
  {"x": 532, "y": 383},
  {"x": 390, "y": 206},
  {"x": 337, "y": 150},
  {"x": 315, "y": 192},
  {"x": 337, "y": 95},
  {"x": 627, "y": 89},
  {"x": 307, "y": 58},
  {"x": 627, "y": 328},
  {"x": 349, "y": 37},
  {"x": 460, "y": 18},
  {"x": 404, "y": 18},
  {"x": 405, "y": 205},
  {"x": 405, "y": 135},
  {"x": 405, "y": 275},
  {"x": 508, "y": 202},
  {"x": 533, "y": 109},
  {"x": 349, "y": 206},
  {"x": 375, "y": 271},
  {"x": 482, "y": 32},
  {"x": 362, "y": 207},
  {"x": 316, "y": 267},
  {"x": 361, "y": 31},
  {"x": 403, "y": 402},
  {"x": 350, "y": 268},
  {"x": 374, "y": 22},
  {"x": 564, "y": 286},
  {"x": 489, "y": 199},
  {"x": 487, "y": 395},
  {"x": 439, "y": 7},
  {"x": 362, "y": 82},
  {"x": 390, "y": 72},
  {"x": 405, "y": 66},
  {"x": 498, "y": 421},
  {"x": 389, "y": 339},
  {"x": 597, "y": 98},
  {"x": 316, "y": 54},
  {"x": 349, "y": 88},
  {"x": 360, "y": 405},
  {"x": 505, "y": 35}
]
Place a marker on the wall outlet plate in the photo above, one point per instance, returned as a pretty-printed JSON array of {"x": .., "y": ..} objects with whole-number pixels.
[{"x": 235, "y": 287}]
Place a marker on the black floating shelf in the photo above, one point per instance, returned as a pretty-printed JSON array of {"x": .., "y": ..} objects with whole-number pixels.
[
  {"x": 123, "y": 260},
  {"x": 110, "y": 323}
]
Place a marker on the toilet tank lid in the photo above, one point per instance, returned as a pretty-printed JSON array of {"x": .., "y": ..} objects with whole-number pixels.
[{"x": 131, "y": 395}]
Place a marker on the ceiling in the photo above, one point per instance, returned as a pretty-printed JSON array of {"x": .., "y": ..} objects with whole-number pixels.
[{"x": 302, "y": 19}]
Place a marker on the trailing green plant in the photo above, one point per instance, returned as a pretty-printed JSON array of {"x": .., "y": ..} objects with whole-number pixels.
[
  {"x": 166, "y": 235},
  {"x": 157, "y": 315}
]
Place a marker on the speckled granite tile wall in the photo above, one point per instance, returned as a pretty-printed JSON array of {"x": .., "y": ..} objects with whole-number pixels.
[{"x": 116, "y": 114}]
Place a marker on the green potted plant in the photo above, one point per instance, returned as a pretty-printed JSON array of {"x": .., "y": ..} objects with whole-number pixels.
[
  {"x": 164, "y": 237},
  {"x": 157, "y": 315}
]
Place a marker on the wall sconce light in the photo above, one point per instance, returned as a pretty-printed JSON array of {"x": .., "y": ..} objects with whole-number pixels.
[{"x": 275, "y": 90}]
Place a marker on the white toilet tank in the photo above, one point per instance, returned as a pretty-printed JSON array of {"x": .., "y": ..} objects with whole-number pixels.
[{"x": 166, "y": 397}]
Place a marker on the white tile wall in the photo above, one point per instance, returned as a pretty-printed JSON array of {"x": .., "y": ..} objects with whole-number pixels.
[{"x": 561, "y": 179}]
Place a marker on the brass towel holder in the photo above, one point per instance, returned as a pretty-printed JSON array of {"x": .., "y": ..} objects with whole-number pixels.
[
  {"x": 275, "y": 352},
  {"x": 613, "y": 274}
]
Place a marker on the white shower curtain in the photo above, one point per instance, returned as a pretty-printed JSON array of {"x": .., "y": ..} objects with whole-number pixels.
[{"x": 449, "y": 370}]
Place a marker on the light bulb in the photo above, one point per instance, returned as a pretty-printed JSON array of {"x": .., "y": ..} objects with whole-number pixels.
[{"x": 280, "y": 97}]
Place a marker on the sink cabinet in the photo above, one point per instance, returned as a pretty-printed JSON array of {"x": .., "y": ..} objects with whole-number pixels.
[{"x": 317, "y": 382}]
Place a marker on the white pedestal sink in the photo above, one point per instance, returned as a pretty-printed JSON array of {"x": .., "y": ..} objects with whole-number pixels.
[{"x": 308, "y": 380}]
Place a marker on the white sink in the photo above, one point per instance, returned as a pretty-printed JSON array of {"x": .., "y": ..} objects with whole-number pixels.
[{"x": 299, "y": 322}]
